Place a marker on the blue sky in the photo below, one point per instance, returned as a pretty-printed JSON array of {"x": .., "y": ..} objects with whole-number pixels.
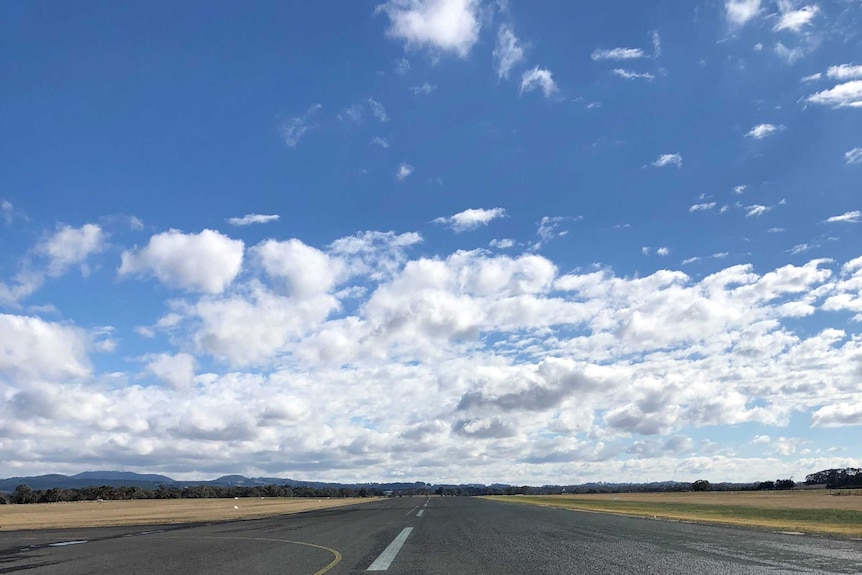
[{"x": 442, "y": 240}]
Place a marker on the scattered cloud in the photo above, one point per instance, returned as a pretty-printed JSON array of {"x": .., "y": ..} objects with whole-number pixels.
[
  {"x": 402, "y": 66},
  {"x": 471, "y": 219},
  {"x": 740, "y": 12},
  {"x": 249, "y": 219},
  {"x": 847, "y": 217},
  {"x": 761, "y": 131},
  {"x": 438, "y": 25},
  {"x": 205, "y": 262},
  {"x": 356, "y": 112},
  {"x": 656, "y": 43},
  {"x": 424, "y": 88},
  {"x": 621, "y": 53},
  {"x": 404, "y": 170},
  {"x": 756, "y": 210},
  {"x": 794, "y": 20},
  {"x": 775, "y": 230},
  {"x": 846, "y": 95},
  {"x": 539, "y": 78},
  {"x": 853, "y": 156},
  {"x": 662, "y": 251},
  {"x": 176, "y": 371},
  {"x": 812, "y": 77},
  {"x": 70, "y": 246},
  {"x": 791, "y": 55},
  {"x": 845, "y": 72},
  {"x": 6, "y": 211},
  {"x": 668, "y": 160},
  {"x": 631, "y": 75},
  {"x": 508, "y": 51},
  {"x": 800, "y": 248},
  {"x": 502, "y": 244},
  {"x": 705, "y": 207},
  {"x": 294, "y": 128},
  {"x": 739, "y": 189},
  {"x": 378, "y": 141}
]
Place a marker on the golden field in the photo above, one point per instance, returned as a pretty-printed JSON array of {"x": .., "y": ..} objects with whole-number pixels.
[
  {"x": 808, "y": 511},
  {"x": 155, "y": 511}
]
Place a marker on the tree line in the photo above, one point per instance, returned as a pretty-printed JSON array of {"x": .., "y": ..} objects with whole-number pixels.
[
  {"x": 847, "y": 478},
  {"x": 24, "y": 494}
]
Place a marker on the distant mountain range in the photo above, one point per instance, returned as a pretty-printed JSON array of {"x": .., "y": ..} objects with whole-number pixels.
[{"x": 152, "y": 481}]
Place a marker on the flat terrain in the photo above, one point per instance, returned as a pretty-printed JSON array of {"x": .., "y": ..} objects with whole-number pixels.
[
  {"x": 438, "y": 536},
  {"x": 820, "y": 511},
  {"x": 154, "y": 511}
]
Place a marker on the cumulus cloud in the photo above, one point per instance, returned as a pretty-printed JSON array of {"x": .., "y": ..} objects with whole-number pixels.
[
  {"x": 761, "y": 131},
  {"x": 404, "y": 170},
  {"x": 70, "y": 246},
  {"x": 618, "y": 53},
  {"x": 249, "y": 219},
  {"x": 539, "y": 78},
  {"x": 844, "y": 72},
  {"x": 176, "y": 371},
  {"x": 853, "y": 156},
  {"x": 34, "y": 349},
  {"x": 205, "y": 262},
  {"x": 508, "y": 51},
  {"x": 502, "y": 244},
  {"x": 305, "y": 270},
  {"x": 756, "y": 210},
  {"x": 701, "y": 207},
  {"x": 846, "y": 95},
  {"x": 294, "y": 128},
  {"x": 471, "y": 219},
  {"x": 668, "y": 160},
  {"x": 740, "y": 12},
  {"x": 847, "y": 217},
  {"x": 440, "y": 25},
  {"x": 631, "y": 75}
]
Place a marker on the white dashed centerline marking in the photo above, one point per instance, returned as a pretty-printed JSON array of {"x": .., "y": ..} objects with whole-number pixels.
[
  {"x": 420, "y": 512},
  {"x": 64, "y": 543},
  {"x": 386, "y": 558}
]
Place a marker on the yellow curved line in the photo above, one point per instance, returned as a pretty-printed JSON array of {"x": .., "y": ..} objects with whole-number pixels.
[{"x": 326, "y": 568}]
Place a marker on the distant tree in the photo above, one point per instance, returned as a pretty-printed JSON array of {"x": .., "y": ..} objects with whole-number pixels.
[
  {"x": 23, "y": 494},
  {"x": 785, "y": 484},
  {"x": 700, "y": 485},
  {"x": 766, "y": 486}
]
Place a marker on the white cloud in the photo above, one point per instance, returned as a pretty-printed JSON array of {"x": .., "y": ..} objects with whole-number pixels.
[
  {"x": 739, "y": 12},
  {"x": 800, "y": 248},
  {"x": 424, "y": 88},
  {"x": 690, "y": 260},
  {"x": 205, "y": 262},
  {"x": 656, "y": 43},
  {"x": 306, "y": 271},
  {"x": 702, "y": 207},
  {"x": 508, "y": 52},
  {"x": 775, "y": 230},
  {"x": 378, "y": 141},
  {"x": 404, "y": 170},
  {"x": 845, "y": 72},
  {"x": 756, "y": 210},
  {"x": 739, "y": 189},
  {"x": 791, "y": 55},
  {"x": 34, "y": 349},
  {"x": 812, "y": 77},
  {"x": 356, "y": 112},
  {"x": 249, "y": 219},
  {"x": 70, "y": 246},
  {"x": 402, "y": 66},
  {"x": 538, "y": 78},
  {"x": 645, "y": 250},
  {"x": 761, "y": 131},
  {"x": 294, "y": 128},
  {"x": 440, "y": 25},
  {"x": 177, "y": 371},
  {"x": 6, "y": 211},
  {"x": 848, "y": 94},
  {"x": 502, "y": 244},
  {"x": 794, "y": 20},
  {"x": 621, "y": 53},
  {"x": 630, "y": 75},
  {"x": 847, "y": 217},
  {"x": 471, "y": 219},
  {"x": 377, "y": 110},
  {"x": 662, "y": 251},
  {"x": 668, "y": 160},
  {"x": 853, "y": 156}
]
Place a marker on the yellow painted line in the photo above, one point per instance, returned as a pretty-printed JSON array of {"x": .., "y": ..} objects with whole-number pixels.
[{"x": 335, "y": 561}]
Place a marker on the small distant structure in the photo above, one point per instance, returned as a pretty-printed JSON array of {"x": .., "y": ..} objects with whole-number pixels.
[{"x": 388, "y": 493}]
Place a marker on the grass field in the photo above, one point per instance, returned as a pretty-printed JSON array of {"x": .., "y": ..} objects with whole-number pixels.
[
  {"x": 154, "y": 511},
  {"x": 798, "y": 511}
]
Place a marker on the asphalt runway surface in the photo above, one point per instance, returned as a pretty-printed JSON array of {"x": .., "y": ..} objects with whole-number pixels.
[{"x": 433, "y": 536}]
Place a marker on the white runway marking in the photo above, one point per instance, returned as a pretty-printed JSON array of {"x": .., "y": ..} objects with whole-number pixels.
[
  {"x": 420, "y": 512},
  {"x": 386, "y": 558},
  {"x": 64, "y": 543}
]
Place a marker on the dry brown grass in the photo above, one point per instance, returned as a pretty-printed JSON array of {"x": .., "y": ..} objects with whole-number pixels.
[
  {"x": 154, "y": 511},
  {"x": 799, "y": 511}
]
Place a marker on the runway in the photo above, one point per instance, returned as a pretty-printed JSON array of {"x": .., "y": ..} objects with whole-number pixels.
[{"x": 426, "y": 536}]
